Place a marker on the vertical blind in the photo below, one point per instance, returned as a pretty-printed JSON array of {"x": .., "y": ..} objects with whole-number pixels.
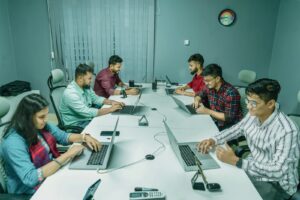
[{"x": 84, "y": 31}]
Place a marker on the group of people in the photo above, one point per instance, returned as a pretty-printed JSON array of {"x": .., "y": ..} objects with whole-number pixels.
[{"x": 29, "y": 143}]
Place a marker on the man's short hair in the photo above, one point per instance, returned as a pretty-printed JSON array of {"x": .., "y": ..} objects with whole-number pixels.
[
  {"x": 114, "y": 59},
  {"x": 197, "y": 58},
  {"x": 213, "y": 70},
  {"x": 82, "y": 70},
  {"x": 266, "y": 89}
]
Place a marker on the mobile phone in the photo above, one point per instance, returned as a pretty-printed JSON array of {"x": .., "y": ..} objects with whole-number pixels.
[
  {"x": 109, "y": 133},
  {"x": 144, "y": 195}
]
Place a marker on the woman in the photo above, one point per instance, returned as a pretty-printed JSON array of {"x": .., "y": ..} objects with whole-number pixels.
[{"x": 29, "y": 146}]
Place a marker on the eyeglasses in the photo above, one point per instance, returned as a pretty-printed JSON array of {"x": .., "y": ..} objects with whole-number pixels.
[{"x": 252, "y": 103}]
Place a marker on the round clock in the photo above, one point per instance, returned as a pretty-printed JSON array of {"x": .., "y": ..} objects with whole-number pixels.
[{"x": 227, "y": 17}]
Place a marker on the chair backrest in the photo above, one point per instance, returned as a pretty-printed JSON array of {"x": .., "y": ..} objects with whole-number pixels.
[
  {"x": 57, "y": 86},
  {"x": 247, "y": 76},
  {"x": 55, "y": 97},
  {"x": 56, "y": 77},
  {"x": 4, "y": 108},
  {"x": 243, "y": 95}
]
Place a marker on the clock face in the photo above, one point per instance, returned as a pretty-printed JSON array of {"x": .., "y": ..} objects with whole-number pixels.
[{"x": 227, "y": 17}]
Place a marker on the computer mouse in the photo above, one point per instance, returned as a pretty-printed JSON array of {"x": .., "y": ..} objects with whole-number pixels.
[{"x": 150, "y": 157}]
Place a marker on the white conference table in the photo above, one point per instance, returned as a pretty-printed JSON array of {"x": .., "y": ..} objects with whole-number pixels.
[{"x": 164, "y": 172}]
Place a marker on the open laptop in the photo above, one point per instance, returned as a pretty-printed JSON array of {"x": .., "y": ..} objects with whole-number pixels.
[
  {"x": 186, "y": 153},
  {"x": 131, "y": 109},
  {"x": 170, "y": 91},
  {"x": 187, "y": 108},
  {"x": 170, "y": 82},
  {"x": 95, "y": 160}
]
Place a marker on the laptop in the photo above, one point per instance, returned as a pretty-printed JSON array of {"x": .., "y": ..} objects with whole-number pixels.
[
  {"x": 131, "y": 109},
  {"x": 170, "y": 91},
  {"x": 95, "y": 160},
  {"x": 187, "y": 108},
  {"x": 186, "y": 152},
  {"x": 170, "y": 82}
]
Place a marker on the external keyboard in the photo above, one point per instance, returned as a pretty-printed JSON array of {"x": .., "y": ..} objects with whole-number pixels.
[
  {"x": 187, "y": 155},
  {"x": 97, "y": 158}
]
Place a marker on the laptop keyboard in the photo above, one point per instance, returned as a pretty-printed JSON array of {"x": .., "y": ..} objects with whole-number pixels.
[
  {"x": 127, "y": 109},
  {"x": 187, "y": 155},
  {"x": 97, "y": 158},
  {"x": 170, "y": 91},
  {"x": 191, "y": 109}
]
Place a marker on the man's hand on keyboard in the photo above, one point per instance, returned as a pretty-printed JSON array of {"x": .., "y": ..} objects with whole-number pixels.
[
  {"x": 205, "y": 145},
  {"x": 92, "y": 143}
]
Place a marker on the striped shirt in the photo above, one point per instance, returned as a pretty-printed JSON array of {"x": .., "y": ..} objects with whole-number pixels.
[{"x": 274, "y": 148}]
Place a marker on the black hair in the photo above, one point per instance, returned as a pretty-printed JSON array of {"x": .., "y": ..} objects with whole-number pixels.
[
  {"x": 114, "y": 59},
  {"x": 197, "y": 58},
  {"x": 82, "y": 69},
  {"x": 213, "y": 70},
  {"x": 22, "y": 119},
  {"x": 266, "y": 89}
]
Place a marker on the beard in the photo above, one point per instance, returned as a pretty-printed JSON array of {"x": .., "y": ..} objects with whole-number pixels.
[
  {"x": 193, "y": 72},
  {"x": 87, "y": 86}
]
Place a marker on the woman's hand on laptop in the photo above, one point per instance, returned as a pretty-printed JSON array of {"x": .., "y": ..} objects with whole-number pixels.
[
  {"x": 92, "y": 143},
  {"x": 205, "y": 145},
  {"x": 75, "y": 150}
]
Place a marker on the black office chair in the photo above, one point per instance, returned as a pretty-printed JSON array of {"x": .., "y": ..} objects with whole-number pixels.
[{"x": 56, "y": 91}]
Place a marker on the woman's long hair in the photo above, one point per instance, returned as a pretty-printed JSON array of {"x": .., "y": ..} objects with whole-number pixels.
[{"x": 22, "y": 120}]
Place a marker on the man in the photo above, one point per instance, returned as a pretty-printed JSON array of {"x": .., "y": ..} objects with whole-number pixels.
[
  {"x": 197, "y": 84},
  {"x": 108, "y": 78},
  {"x": 79, "y": 103},
  {"x": 219, "y": 99},
  {"x": 272, "y": 138}
]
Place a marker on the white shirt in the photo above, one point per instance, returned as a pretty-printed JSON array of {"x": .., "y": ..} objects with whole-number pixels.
[{"x": 274, "y": 148}]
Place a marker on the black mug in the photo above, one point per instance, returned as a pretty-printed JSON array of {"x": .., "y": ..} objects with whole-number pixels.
[
  {"x": 154, "y": 85},
  {"x": 131, "y": 83}
]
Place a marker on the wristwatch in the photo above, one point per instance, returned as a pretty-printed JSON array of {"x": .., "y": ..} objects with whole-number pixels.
[{"x": 239, "y": 163}]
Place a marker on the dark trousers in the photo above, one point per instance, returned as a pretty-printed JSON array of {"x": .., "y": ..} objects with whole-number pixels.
[{"x": 270, "y": 190}]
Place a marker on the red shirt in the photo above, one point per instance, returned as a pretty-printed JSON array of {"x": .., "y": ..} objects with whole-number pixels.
[
  {"x": 197, "y": 84},
  {"x": 105, "y": 83}
]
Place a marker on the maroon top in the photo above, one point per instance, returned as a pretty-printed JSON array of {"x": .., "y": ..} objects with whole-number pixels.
[
  {"x": 105, "y": 83},
  {"x": 197, "y": 84}
]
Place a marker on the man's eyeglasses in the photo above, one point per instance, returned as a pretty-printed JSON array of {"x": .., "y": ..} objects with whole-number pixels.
[{"x": 252, "y": 103}]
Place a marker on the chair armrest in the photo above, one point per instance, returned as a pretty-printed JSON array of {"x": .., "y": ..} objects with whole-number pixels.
[
  {"x": 293, "y": 114},
  {"x": 71, "y": 129},
  {"x": 14, "y": 197},
  {"x": 296, "y": 196}
]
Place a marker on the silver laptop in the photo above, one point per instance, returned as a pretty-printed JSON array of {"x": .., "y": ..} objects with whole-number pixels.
[
  {"x": 170, "y": 91},
  {"x": 187, "y": 108},
  {"x": 95, "y": 160},
  {"x": 170, "y": 82},
  {"x": 185, "y": 153},
  {"x": 131, "y": 109}
]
